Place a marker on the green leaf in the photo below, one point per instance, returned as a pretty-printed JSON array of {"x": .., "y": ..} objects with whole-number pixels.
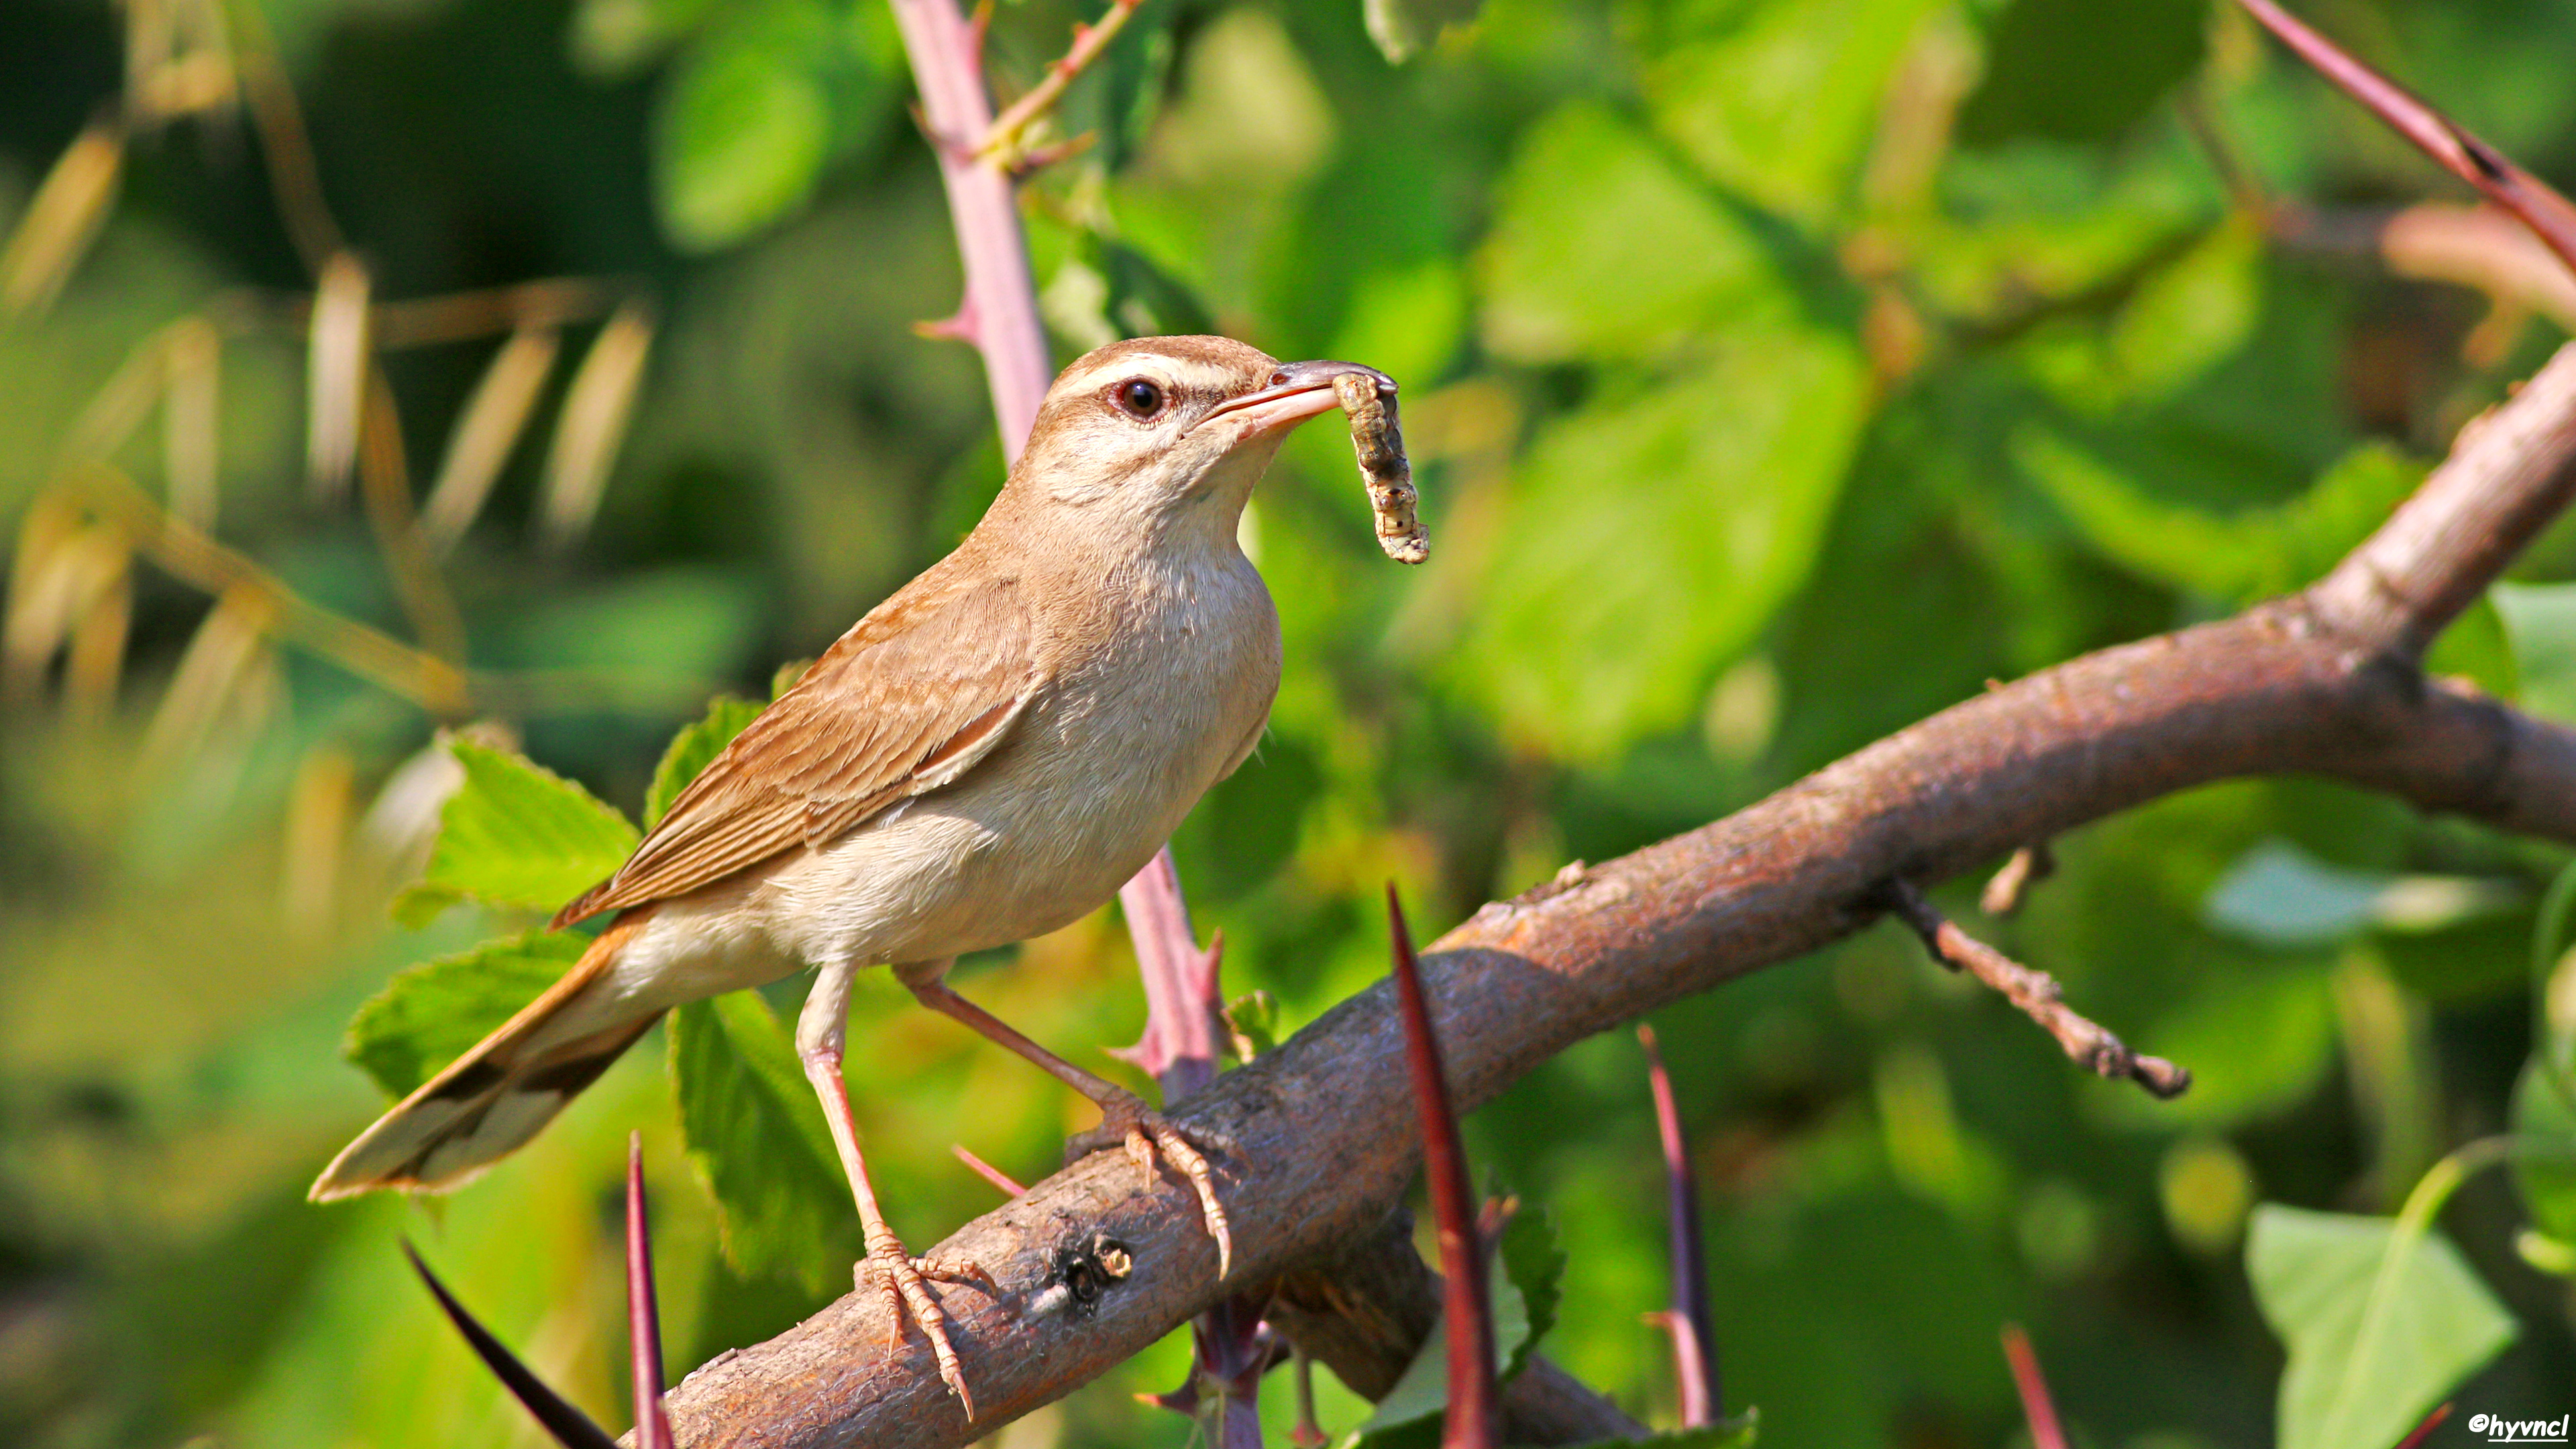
[
  {"x": 2190, "y": 315},
  {"x": 433, "y": 1013},
  {"x": 1779, "y": 100},
  {"x": 2257, "y": 1043},
  {"x": 1651, "y": 535},
  {"x": 1533, "y": 1264},
  {"x": 2080, "y": 70},
  {"x": 515, "y": 835},
  {"x": 1739, "y": 1432},
  {"x": 2540, "y": 622},
  {"x": 1252, "y": 1022},
  {"x": 2280, "y": 894},
  {"x": 739, "y": 143},
  {"x": 2234, "y": 557},
  {"x": 2313, "y": 1275},
  {"x": 2543, "y": 1112},
  {"x": 756, "y": 1135},
  {"x": 1601, "y": 247},
  {"x": 1402, "y": 28},
  {"x": 612, "y": 39},
  {"x": 1522, "y": 1290},
  {"x": 692, "y": 749}
]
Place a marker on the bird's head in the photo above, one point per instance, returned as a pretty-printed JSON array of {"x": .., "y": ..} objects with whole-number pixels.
[{"x": 1158, "y": 433}]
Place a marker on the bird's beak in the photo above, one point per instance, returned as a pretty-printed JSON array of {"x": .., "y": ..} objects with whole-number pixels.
[{"x": 1297, "y": 391}]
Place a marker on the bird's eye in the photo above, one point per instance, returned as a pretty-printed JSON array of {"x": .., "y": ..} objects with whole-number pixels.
[{"x": 1139, "y": 396}]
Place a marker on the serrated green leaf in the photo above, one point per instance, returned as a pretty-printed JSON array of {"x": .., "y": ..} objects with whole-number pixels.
[
  {"x": 518, "y": 836},
  {"x": 431, "y": 1014},
  {"x": 692, "y": 749},
  {"x": 757, "y": 1137},
  {"x": 1533, "y": 1262},
  {"x": 2313, "y": 1274},
  {"x": 1650, "y": 536},
  {"x": 1603, "y": 248},
  {"x": 741, "y": 139}
]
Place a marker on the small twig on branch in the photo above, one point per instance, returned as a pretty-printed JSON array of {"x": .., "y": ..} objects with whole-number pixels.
[
  {"x": 2035, "y": 992},
  {"x": 2004, "y": 894},
  {"x": 1005, "y": 138}
]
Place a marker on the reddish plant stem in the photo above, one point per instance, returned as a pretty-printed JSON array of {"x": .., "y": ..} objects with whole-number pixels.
[
  {"x": 1472, "y": 1418},
  {"x": 999, "y": 312},
  {"x": 2424, "y": 1431},
  {"x": 643, "y": 1309},
  {"x": 2547, "y": 213},
  {"x": 1688, "y": 1321},
  {"x": 987, "y": 1171},
  {"x": 2035, "y": 1404}
]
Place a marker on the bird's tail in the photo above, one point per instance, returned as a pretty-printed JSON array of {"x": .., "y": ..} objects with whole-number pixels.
[{"x": 494, "y": 1098}]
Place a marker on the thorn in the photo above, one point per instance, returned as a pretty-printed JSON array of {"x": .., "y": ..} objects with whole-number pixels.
[
  {"x": 956, "y": 327},
  {"x": 1694, "y": 1339},
  {"x": 1473, "y": 1419},
  {"x": 643, "y": 1309},
  {"x": 569, "y": 1426}
]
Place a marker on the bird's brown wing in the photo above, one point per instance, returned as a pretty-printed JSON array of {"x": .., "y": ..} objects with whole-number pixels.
[{"x": 907, "y": 701}]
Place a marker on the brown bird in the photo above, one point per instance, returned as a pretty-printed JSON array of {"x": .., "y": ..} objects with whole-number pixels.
[{"x": 986, "y": 757}]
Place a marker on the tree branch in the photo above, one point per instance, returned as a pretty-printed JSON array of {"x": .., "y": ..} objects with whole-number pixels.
[
  {"x": 2448, "y": 542},
  {"x": 2319, "y": 683},
  {"x": 2035, "y": 993}
]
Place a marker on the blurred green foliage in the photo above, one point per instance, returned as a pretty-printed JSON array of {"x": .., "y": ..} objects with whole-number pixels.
[{"x": 1777, "y": 371}]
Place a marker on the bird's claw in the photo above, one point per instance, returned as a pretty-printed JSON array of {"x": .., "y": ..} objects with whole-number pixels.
[
  {"x": 903, "y": 1281},
  {"x": 1125, "y": 1121}
]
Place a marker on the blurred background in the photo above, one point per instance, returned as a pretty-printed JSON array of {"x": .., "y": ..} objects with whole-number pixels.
[{"x": 1777, "y": 372}]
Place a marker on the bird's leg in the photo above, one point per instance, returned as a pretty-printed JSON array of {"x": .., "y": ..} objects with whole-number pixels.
[
  {"x": 820, "y": 1029},
  {"x": 1124, "y": 1117}
]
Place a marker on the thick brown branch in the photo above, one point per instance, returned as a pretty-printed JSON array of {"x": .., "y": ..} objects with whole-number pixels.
[{"x": 2036, "y": 993}]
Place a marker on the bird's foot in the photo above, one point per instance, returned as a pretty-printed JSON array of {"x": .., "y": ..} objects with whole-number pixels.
[
  {"x": 1126, "y": 1121},
  {"x": 903, "y": 1281}
]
